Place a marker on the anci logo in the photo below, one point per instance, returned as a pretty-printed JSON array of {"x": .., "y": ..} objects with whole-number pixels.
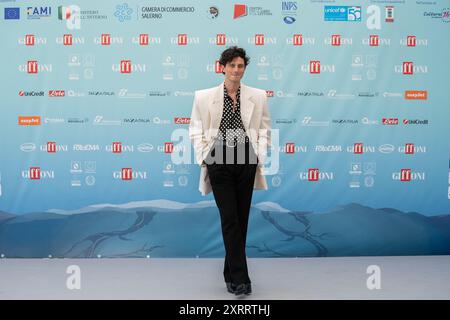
[{"x": 342, "y": 13}]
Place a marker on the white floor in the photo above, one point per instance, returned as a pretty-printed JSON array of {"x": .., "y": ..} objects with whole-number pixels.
[{"x": 409, "y": 277}]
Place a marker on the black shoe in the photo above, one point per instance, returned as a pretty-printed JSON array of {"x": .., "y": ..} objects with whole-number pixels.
[
  {"x": 243, "y": 288},
  {"x": 230, "y": 287}
]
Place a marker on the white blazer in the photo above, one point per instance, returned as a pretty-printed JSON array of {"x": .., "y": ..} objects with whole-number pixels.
[{"x": 206, "y": 115}]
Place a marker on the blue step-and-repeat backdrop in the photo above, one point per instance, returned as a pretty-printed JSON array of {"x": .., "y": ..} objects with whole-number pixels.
[{"x": 96, "y": 104}]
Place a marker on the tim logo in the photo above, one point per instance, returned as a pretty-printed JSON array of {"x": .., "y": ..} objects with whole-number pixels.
[
  {"x": 409, "y": 148},
  {"x": 374, "y": 40},
  {"x": 221, "y": 39},
  {"x": 182, "y": 39},
  {"x": 290, "y": 147},
  {"x": 35, "y": 173},
  {"x": 127, "y": 174},
  {"x": 314, "y": 66},
  {"x": 51, "y": 147},
  {"x": 405, "y": 175},
  {"x": 29, "y": 40},
  {"x": 313, "y": 174},
  {"x": 125, "y": 66},
  {"x": 67, "y": 40},
  {"x": 407, "y": 67},
  {"x": 259, "y": 39},
  {"x": 105, "y": 39},
  {"x": 32, "y": 66},
  {"x": 143, "y": 39},
  {"x": 358, "y": 148},
  {"x": 218, "y": 68},
  {"x": 117, "y": 147},
  {"x": 168, "y": 147}
]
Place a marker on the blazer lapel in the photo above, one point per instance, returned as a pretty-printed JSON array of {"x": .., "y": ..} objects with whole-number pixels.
[
  {"x": 216, "y": 108},
  {"x": 247, "y": 106}
]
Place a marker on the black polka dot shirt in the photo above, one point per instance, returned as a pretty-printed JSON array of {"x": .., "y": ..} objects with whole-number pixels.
[{"x": 231, "y": 129}]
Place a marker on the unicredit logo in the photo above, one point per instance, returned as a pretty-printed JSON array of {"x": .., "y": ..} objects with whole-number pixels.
[{"x": 31, "y": 93}]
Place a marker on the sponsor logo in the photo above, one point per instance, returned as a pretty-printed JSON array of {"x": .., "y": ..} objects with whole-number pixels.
[
  {"x": 123, "y": 12},
  {"x": 39, "y": 12},
  {"x": 86, "y": 147},
  {"x": 117, "y": 147},
  {"x": 290, "y": 147},
  {"x": 183, "y": 39},
  {"x": 35, "y": 173},
  {"x": 128, "y": 174},
  {"x": 155, "y": 12},
  {"x": 144, "y": 40},
  {"x": 342, "y": 13},
  {"x": 328, "y": 148},
  {"x": 168, "y": 147},
  {"x": 386, "y": 148},
  {"x": 289, "y": 11},
  {"x": 300, "y": 40},
  {"x": 68, "y": 40},
  {"x": 33, "y": 67},
  {"x": 56, "y": 93},
  {"x": 416, "y": 95},
  {"x": 389, "y": 14},
  {"x": 241, "y": 10},
  {"x": 314, "y": 175},
  {"x": 71, "y": 15},
  {"x": 389, "y": 121},
  {"x": 181, "y": 120},
  {"x": 406, "y": 175},
  {"x": 415, "y": 121},
  {"x": 409, "y": 68},
  {"x": 28, "y": 147},
  {"x": 145, "y": 147},
  {"x": 29, "y": 121},
  {"x": 315, "y": 67},
  {"x": 31, "y": 93},
  {"x": 213, "y": 13},
  {"x": 53, "y": 147},
  {"x": 12, "y": 13}
]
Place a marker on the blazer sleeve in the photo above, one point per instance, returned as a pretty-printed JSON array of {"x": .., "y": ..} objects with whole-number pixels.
[
  {"x": 196, "y": 132},
  {"x": 264, "y": 135}
]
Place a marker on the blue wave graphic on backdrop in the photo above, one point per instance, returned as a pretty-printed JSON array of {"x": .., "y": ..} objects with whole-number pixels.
[{"x": 162, "y": 228}]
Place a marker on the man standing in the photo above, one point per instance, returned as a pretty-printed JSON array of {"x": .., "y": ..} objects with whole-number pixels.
[{"x": 230, "y": 133}]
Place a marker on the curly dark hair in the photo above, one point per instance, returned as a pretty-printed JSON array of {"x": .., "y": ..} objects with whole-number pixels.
[{"x": 233, "y": 52}]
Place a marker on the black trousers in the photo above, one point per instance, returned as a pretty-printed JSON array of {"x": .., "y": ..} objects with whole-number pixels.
[{"x": 232, "y": 186}]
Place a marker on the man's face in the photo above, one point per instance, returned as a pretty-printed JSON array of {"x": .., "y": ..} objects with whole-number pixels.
[{"x": 234, "y": 70}]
